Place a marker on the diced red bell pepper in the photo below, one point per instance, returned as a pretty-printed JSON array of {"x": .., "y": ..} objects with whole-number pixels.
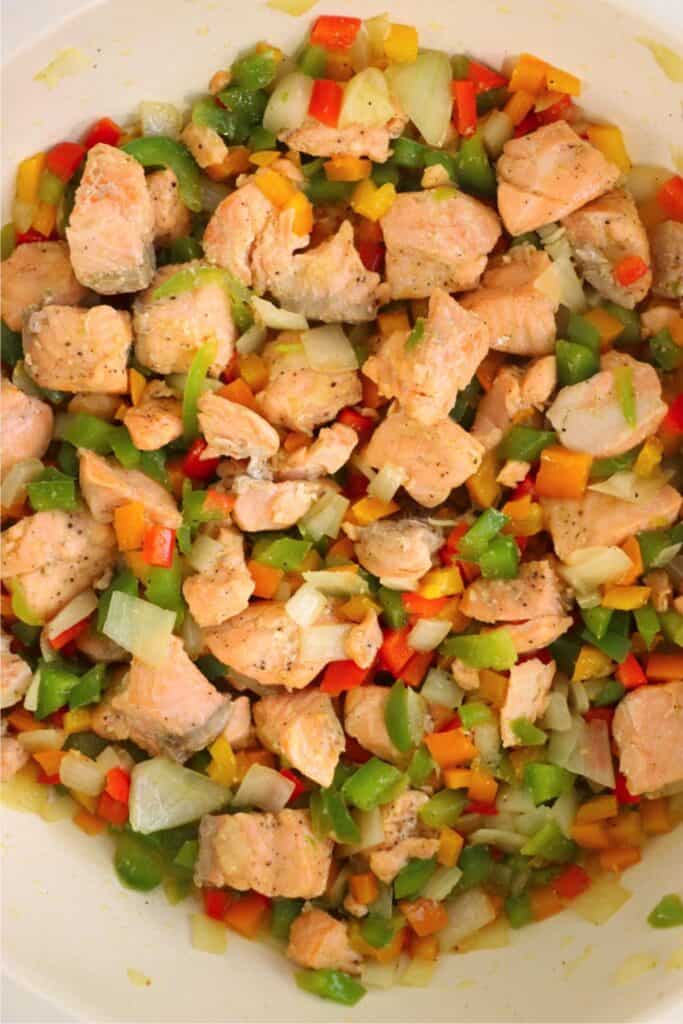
[
  {"x": 105, "y": 130},
  {"x": 630, "y": 672},
  {"x": 341, "y": 676},
  {"x": 670, "y": 197},
  {"x": 64, "y": 159},
  {"x": 356, "y": 485},
  {"x": 477, "y": 807},
  {"x": 524, "y": 487},
  {"x": 372, "y": 255},
  {"x": 326, "y": 100},
  {"x": 26, "y": 237},
  {"x": 484, "y": 78},
  {"x": 354, "y": 752},
  {"x": 111, "y": 810},
  {"x": 352, "y": 418},
  {"x": 47, "y": 780},
  {"x": 57, "y": 718},
  {"x": 556, "y": 111},
  {"x": 454, "y": 722},
  {"x": 246, "y": 914},
  {"x": 521, "y": 543},
  {"x": 572, "y": 882},
  {"x": 629, "y": 270},
  {"x": 194, "y": 466},
  {"x": 232, "y": 370},
  {"x": 414, "y": 672},
  {"x": 395, "y": 653},
  {"x": 118, "y": 784},
  {"x": 219, "y": 501},
  {"x": 599, "y": 715},
  {"x": 216, "y": 902},
  {"x": 673, "y": 421},
  {"x": 622, "y": 792},
  {"x": 465, "y": 109},
  {"x": 72, "y": 633},
  {"x": 529, "y": 124},
  {"x": 449, "y": 552},
  {"x": 335, "y": 32},
  {"x": 158, "y": 545},
  {"x": 423, "y": 607},
  {"x": 299, "y": 784}
]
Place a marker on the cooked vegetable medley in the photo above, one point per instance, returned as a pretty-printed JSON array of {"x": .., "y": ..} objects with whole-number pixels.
[{"x": 342, "y": 576}]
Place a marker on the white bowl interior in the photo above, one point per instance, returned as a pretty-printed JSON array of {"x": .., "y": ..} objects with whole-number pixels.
[{"x": 70, "y": 931}]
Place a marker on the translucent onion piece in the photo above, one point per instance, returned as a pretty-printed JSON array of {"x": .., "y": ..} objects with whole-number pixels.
[
  {"x": 322, "y": 644},
  {"x": 427, "y": 634},
  {"x": 328, "y": 349},
  {"x": 288, "y": 104},
  {"x": 163, "y": 794},
  {"x": 160, "y": 119},
  {"x": 81, "y": 774},
  {"x": 75, "y": 611},
  {"x": 279, "y": 319},
  {"x": 13, "y": 490},
  {"x": 264, "y": 788},
  {"x": 306, "y": 605},
  {"x": 337, "y": 584},
  {"x": 387, "y": 482}
]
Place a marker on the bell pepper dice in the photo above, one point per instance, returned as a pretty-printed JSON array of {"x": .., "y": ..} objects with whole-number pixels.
[
  {"x": 629, "y": 270},
  {"x": 484, "y": 78},
  {"x": 158, "y": 545},
  {"x": 465, "y": 107},
  {"x": 395, "y": 653},
  {"x": 326, "y": 101},
  {"x": 670, "y": 197},
  {"x": 341, "y": 676},
  {"x": 64, "y": 159},
  {"x": 335, "y": 32},
  {"x": 194, "y": 466},
  {"x": 105, "y": 130}
]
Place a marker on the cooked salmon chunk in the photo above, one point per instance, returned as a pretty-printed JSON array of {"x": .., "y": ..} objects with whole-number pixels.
[
  {"x": 37, "y": 275},
  {"x": 330, "y": 450},
  {"x": 50, "y": 557},
  {"x": 527, "y": 696},
  {"x": 667, "y": 258},
  {"x": 435, "y": 459},
  {"x": 534, "y": 593},
  {"x": 399, "y": 552},
  {"x": 319, "y": 941},
  {"x": 13, "y": 757},
  {"x": 405, "y": 836},
  {"x": 364, "y": 640},
  {"x": 498, "y": 407},
  {"x": 318, "y": 139},
  {"x": 547, "y": 175},
  {"x": 234, "y": 229},
  {"x": 600, "y": 520},
  {"x": 206, "y": 145},
  {"x": 172, "y": 218},
  {"x": 648, "y": 731},
  {"x": 111, "y": 227},
  {"x": 274, "y": 854},
  {"x": 223, "y": 588},
  {"x": 601, "y": 234},
  {"x": 70, "y": 349},
  {"x": 106, "y": 486},
  {"x": 235, "y": 430},
  {"x": 263, "y": 505},
  {"x": 15, "y": 677},
  {"x": 425, "y": 377},
  {"x": 589, "y": 417},
  {"x": 538, "y": 633},
  {"x": 26, "y": 426},
  {"x": 436, "y": 242},
  {"x": 238, "y": 729},
  {"x": 168, "y": 332},
  {"x": 364, "y": 710},
  {"x": 169, "y": 709},
  {"x": 520, "y": 317},
  {"x": 157, "y": 418},
  {"x": 304, "y": 729}
]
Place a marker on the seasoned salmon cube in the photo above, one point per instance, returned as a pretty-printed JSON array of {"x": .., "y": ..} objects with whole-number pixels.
[
  {"x": 364, "y": 640},
  {"x": 364, "y": 711},
  {"x": 263, "y": 505},
  {"x": 648, "y": 731},
  {"x": 274, "y": 854},
  {"x": 238, "y": 729},
  {"x": 330, "y": 450},
  {"x": 156, "y": 420},
  {"x": 13, "y": 757},
  {"x": 235, "y": 226},
  {"x": 319, "y": 941},
  {"x": 37, "y": 275},
  {"x": 527, "y": 696},
  {"x": 399, "y": 552},
  {"x": 206, "y": 145},
  {"x": 105, "y": 486},
  {"x": 303, "y": 729},
  {"x": 26, "y": 426},
  {"x": 222, "y": 589},
  {"x": 111, "y": 227},
  {"x": 70, "y": 349},
  {"x": 318, "y": 139},
  {"x": 498, "y": 407},
  {"x": 169, "y": 709},
  {"x": 667, "y": 258},
  {"x": 535, "y": 592},
  {"x": 172, "y": 218},
  {"x": 538, "y": 633},
  {"x": 405, "y": 836},
  {"x": 235, "y": 430},
  {"x": 15, "y": 677}
]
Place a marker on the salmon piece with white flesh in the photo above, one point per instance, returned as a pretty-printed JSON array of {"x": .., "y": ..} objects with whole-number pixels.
[
  {"x": 156, "y": 420},
  {"x": 527, "y": 696},
  {"x": 50, "y": 557},
  {"x": 435, "y": 459},
  {"x": 300, "y": 398},
  {"x": 168, "y": 332},
  {"x": 223, "y": 586},
  {"x": 104, "y": 407},
  {"x": 648, "y": 731},
  {"x": 234, "y": 430},
  {"x": 238, "y": 729},
  {"x": 330, "y": 450},
  {"x": 513, "y": 391},
  {"x": 656, "y": 318},
  {"x": 539, "y": 381},
  {"x": 26, "y": 426},
  {"x": 13, "y": 757},
  {"x": 601, "y": 234},
  {"x": 172, "y": 219},
  {"x": 666, "y": 241},
  {"x": 169, "y": 709},
  {"x": 111, "y": 227},
  {"x": 304, "y": 729},
  {"x": 538, "y": 633},
  {"x": 436, "y": 241},
  {"x": 236, "y": 224},
  {"x": 318, "y": 139},
  {"x": 264, "y": 505},
  {"x": 364, "y": 640},
  {"x": 426, "y": 377},
  {"x": 405, "y": 836},
  {"x": 534, "y": 593},
  {"x": 520, "y": 317},
  {"x": 70, "y": 349},
  {"x": 273, "y": 854},
  {"x": 37, "y": 275},
  {"x": 106, "y": 486},
  {"x": 598, "y": 520},
  {"x": 319, "y": 941},
  {"x": 364, "y": 711},
  {"x": 206, "y": 145},
  {"x": 548, "y": 174},
  {"x": 16, "y": 674},
  {"x": 589, "y": 417},
  {"x": 399, "y": 552}
]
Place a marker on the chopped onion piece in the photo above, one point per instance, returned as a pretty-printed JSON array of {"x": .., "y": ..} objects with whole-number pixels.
[
  {"x": 160, "y": 119},
  {"x": 75, "y": 611},
  {"x": 139, "y": 627},
  {"x": 440, "y": 688},
  {"x": 377, "y": 975},
  {"x": 427, "y": 634},
  {"x": 571, "y": 290},
  {"x": 115, "y": 757},
  {"x": 366, "y": 100},
  {"x": 531, "y": 823},
  {"x": 288, "y": 104},
  {"x": 321, "y": 644},
  {"x": 644, "y": 181},
  {"x": 328, "y": 349},
  {"x": 31, "y": 695},
  {"x": 337, "y": 584},
  {"x": 588, "y": 568},
  {"x": 601, "y": 902},
  {"x": 42, "y": 739},
  {"x": 506, "y": 840},
  {"x": 494, "y": 936},
  {"x": 192, "y": 635},
  {"x": 47, "y": 651},
  {"x": 163, "y": 794},
  {"x": 387, "y": 482},
  {"x": 80, "y": 773},
  {"x": 549, "y": 284},
  {"x": 208, "y": 935},
  {"x": 371, "y": 825},
  {"x": 205, "y": 553},
  {"x": 325, "y": 517},
  {"x": 467, "y": 913},
  {"x": 441, "y": 884},
  {"x": 498, "y": 130},
  {"x": 306, "y": 605},
  {"x": 628, "y": 486},
  {"x": 418, "y": 973},
  {"x": 252, "y": 340},
  {"x": 666, "y": 555},
  {"x": 423, "y": 89},
  {"x": 487, "y": 741},
  {"x": 279, "y": 319},
  {"x": 557, "y": 716},
  {"x": 15, "y": 482},
  {"x": 264, "y": 788},
  {"x": 564, "y": 810}
]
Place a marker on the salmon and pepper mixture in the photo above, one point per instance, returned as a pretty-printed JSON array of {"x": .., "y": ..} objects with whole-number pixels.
[{"x": 342, "y": 543}]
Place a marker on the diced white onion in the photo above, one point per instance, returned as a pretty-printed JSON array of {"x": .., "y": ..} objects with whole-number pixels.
[
  {"x": 306, "y": 605},
  {"x": 47, "y": 651},
  {"x": 114, "y": 757},
  {"x": 588, "y": 568},
  {"x": 31, "y": 695},
  {"x": 467, "y": 913},
  {"x": 371, "y": 825},
  {"x": 487, "y": 742},
  {"x": 557, "y": 715},
  {"x": 506, "y": 840},
  {"x": 424, "y": 91},
  {"x": 81, "y": 774},
  {"x": 666, "y": 555},
  {"x": 141, "y": 628},
  {"x": 628, "y": 486},
  {"x": 288, "y": 104},
  {"x": 377, "y": 29},
  {"x": 160, "y": 119},
  {"x": 387, "y": 482},
  {"x": 377, "y": 975},
  {"x": 417, "y": 973},
  {"x": 549, "y": 284},
  {"x": 279, "y": 319},
  {"x": 643, "y": 181},
  {"x": 208, "y": 935},
  {"x": 441, "y": 884},
  {"x": 427, "y": 634},
  {"x": 366, "y": 100},
  {"x": 325, "y": 517},
  {"x": 75, "y": 611},
  {"x": 564, "y": 810},
  {"x": 193, "y": 638},
  {"x": 212, "y": 193},
  {"x": 571, "y": 289},
  {"x": 205, "y": 553},
  {"x": 324, "y": 644},
  {"x": 531, "y": 823},
  {"x": 264, "y": 788},
  {"x": 42, "y": 739},
  {"x": 328, "y": 350},
  {"x": 604, "y": 898},
  {"x": 584, "y": 750},
  {"x": 440, "y": 688},
  {"x": 579, "y": 697},
  {"x": 252, "y": 340},
  {"x": 163, "y": 794},
  {"x": 498, "y": 130},
  {"x": 337, "y": 584},
  {"x": 13, "y": 490}
]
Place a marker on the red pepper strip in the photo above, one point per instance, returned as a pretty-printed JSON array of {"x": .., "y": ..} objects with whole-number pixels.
[
  {"x": 335, "y": 32},
  {"x": 449, "y": 551},
  {"x": 465, "y": 111},
  {"x": 476, "y": 807},
  {"x": 118, "y": 784},
  {"x": 47, "y": 780},
  {"x": 194, "y": 466},
  {"x": 395, "y": 653},
  {"x": 105, "y": 130},
  {"x": 299, "y": 785},
  {"x": 670, "y": 197},
  {"x": 232, "y": 370},
  {"x": 113, "y": 811},
  {"x": 622, "y": 792},
  {"x": 526, "y": 486},
  {"x": 26, "y": 237},
  {"x": 450, "y": 723},
  {"x": 64, "y": 159},
  {"x": 341, "y": 676},
  {"x": 572, "y": 882},
  {"x": 630, "y": 673},
  {"x": 356, "y": 485},
  {"x": 326, "y": 100},
  {"x": 521, "y": 543},
  {"x": 673, "y": 421},
  {"x": 72, "y": 633},
  {"x": 556, "y": 111},
  {"x": 629, "y": 270},
  {"x": 484, "y": 78},
  {"x": 216, "y": 902},
  {"x": 414, "y": 672},
  {"x": 158, "y": 544},
  {"x": 529, "y": 124},
  {"x": 57, "y": 718},
  {"x": 423, "y": 607},
  {"x": 599, "y": 714},
  {"x": 371, "y": 255},
  {"x": 352, "y": 418}
]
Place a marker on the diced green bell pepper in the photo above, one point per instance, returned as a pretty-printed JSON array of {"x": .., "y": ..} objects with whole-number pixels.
[
  {"x": 668, "y": 913},
  {"x": 20, "y": 605},
  {"x": 337, "y": 986},
  {"x": 443, "y": 809},
  {"x": 330, "y": 816},
  {"x": 612, "y": 643},
  {"x": 386, "y": 174},
  {"x": 180, "y": 250},
  {"x": 474, "y": 713},
  {"x": 664, "y": 350},
  {"x": 261, "y": 138},
  {"x": 161, "y": 151},
  {"x": 473, "y": 543},
  {"x": 123, "y": 448},
  {"x": 500, "y": 561},
  {"x": 546, "y": 781},
  {"x": 164, "y": 587},
  {"x": 528, "y": 734},
  {"x": 597, "y": 620},
  {"x": 393, "y": 610},
  {"x": 476, "y": 864},
  {"x": 434, "y": 157},
  {"x": 284, "y": 913},
  {"x": 550, "y": 843},
  {"x": 372, "y": 785},
  {"x": 211, "y": 667},
  {"x": 313, "y": 61},
  {"x": 421, "y": 766},
  {"x": 409, "y": 153},
  {"x": 460, "y": 64},
  {"x": 629, "y": 318},
  {"x": 85, "y": 431},
  {"x": 52, "y": 490},
  {"x": 582, "y": 332},
  {"x": 654, "y": 542},
  {"x": 416, "y": 335},
  {"x": 28, "y": 636},
  {"x": 247, "y": 107},
  {"x": 404, "y": 717},
  {"x": 377, "y": 931},
  {"x": 125, "y": 582},
  {"x": 474, "y": 171},
  {"x": 67, "y": 459},
  {"x": 199, "y": 368},
  {"x": 137, "y": 863},
  {"x": 526, "y": 443},
  {"x": 672, "y": 626},
  {"x": 611, "y": 692},
  {"x": 518, "y": 910},
  {"x": 465, "y": 408},
  {"x": 286, "y": 553},
  {"x": 89, "y": 688},
  {"x": 255, "y": 70},
  {"x": 575, "y": 362},
  {"x": 623, "y": 381},
  {"x": 411, "y": 878},
  {"x": 319, "y": 190},
  {"x": 647, "y": 623},
  {"x": 491, "y": 98},
  {"x": 12, "y": 348},
  {"x": 56, "y": 683},
  {"x": 88, "y": 743},
  {"x": 153, "y": 464},
  {"x": 186, "y": 856},
  {"x": 494, "y": 650},
  {"x": 603, "y": 468},
  {"x": 311, "y": 168},
  {"x": 194, "y": 277}
]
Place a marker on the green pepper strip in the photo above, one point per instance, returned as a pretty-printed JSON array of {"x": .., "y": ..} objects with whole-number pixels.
[
  {"x": 518, "y": 910},
  {"x": 474, "y": 713},
  {"x": 421, "y": 766},
  {"x": 546, "y": 781},
  {"x": 668, "y": 913},
  {"x": 195, "y": 277},
  {"x": 160, "y": 151},
  {"x": 647, "y": 624},
  {"x": 525, "y": 443},
  {"x": 393, "y": 609},
  {"x": 473, "y": 168},
  {"x": 550, "y": 843},
  {"x": 575, "y": 362},
  {"x": 472, "y": 544},
  {"x": 285, "y": 553},
  {"x": 500, "y": 561},
  {"x": 665, "y": 352},
  {"x": 404, "y": 717},
  {"x": 476, "y": 864},
  {"x": 416, "y": 335},
  {"x": 487, "y": 650},
  {"x": 199, "y": 368},
  {"x": 372, "y": 784},
  {"x": 413, "y": 877},
  {"x": 527, "y": 733},
  {"x": 284, "y": 913},
  {"x": 623, "y": 380},
  {"x": 89, "y": 687},
  {"x": 52, "y": 490},
  {"x": 629, "y": 318},
  {"x": 597, "y": 620},
  {"x": 56, "y": 683},
  {"x": 443, "y": 809},
  {"x": 334, "y": 985}
]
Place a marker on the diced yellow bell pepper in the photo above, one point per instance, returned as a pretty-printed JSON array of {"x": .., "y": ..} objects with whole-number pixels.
[
  {"x": 44, "y": 219},
  {"x": 655, "y": 816},
  {"x": 303, "y": 213},
  {"x": 529, "y": 74},
  {"x": 625, "y": 599},
  {"x": 121, "y": 411},
  {"x": 609, "y": 140},
  {"x": 450, "y": 847},
  {"x": 493, "y": 687},
  {"x": 483, "y": 787},
  {"x": 482, "y": 486},
  {"x": 562, "y": 81},
  {"x": 591, "y": 664},
  {"x": 627, "y": 830},
  {"x": 223, "y": 766},
  {"x": 129, "y": 525},
  {"x": 369, "y": 510},
  {"x": 357, "y": 607},
  {"x": 274, "y": 186},
  {"x": 649, "y": 457},
  {"x": 138, "y": 566},
  {"x": 136, "y": 385},
  {"x": 676, "y": 330},
  {"x": 28, "y": 178},
  {"x": 254, "y": 370},
  {"x": 519, "y": 105},
  {"x": 393, "y": 321},
  {"x": 401, "y": 44},
  {"x": 441, "y": 583},
  {"x": 457, "y": 778},
  {"x": 275, "y": 51},
  {"x": 78, "y": 720},
  {"x": 526, "y": 517},
  {"x": 347, "y": 168},
  {"x": 597, "y": 809},
  {"x": 236, "y": 162},
  {"x": 264, "y": 157},
  {"x": 608, "y": 325},
  {"x": 591, "y": 837},
  {"x": 372, "y": 202},
  {"x": 451, "y": 613}
]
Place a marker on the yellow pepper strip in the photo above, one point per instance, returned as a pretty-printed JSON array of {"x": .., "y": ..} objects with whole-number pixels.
[
  {"x": 236, "y": 162},
  {"x": 609, "y": 140},
  {"x": 303, "y": 213},
  {"x": 627, "y": 828},
  {"x": 451, "y": 613},
  {"x": 591, "y": 837},
  {"x": 598, "y": 809},
  {"x": 136, "y": 386},
  {"x": 401, "y": 44},
  {"x": 649, "y": 457},
  {"x": 44, "y": 219},
  {"x": 274, "y": 186},
  {"x": 457, "y": 778},
  {"x": 254, "y": 370},
  {"x": 264, "y": 157},
  {"x": 78, "y": 720},
  {"x": 347, "y": 168},
  {"x": 450, "y": 847},
  {"x": 129, "y": 525},
  {"x": 482, "y": 486},
  {"x": 563, "y": 81},
  {"x": 631, "y": 547},
  {"x": 519, "y": 105},
  {"x": 591, "y": 664},
  {"x": 357, "y": 607},
  {"x": 529, "y": 74},
  {"x": 608, "y": 325},
  {"x": 655, "y": 816},
  {"x": 441, "y": 583},
  {"x": 28, "y": 178},
  {"x": 223, "y": 766},
  {"x": 369, "y": 510},
  {"x": 493, "y": 687},
  {"x": 526, "y": 517},
  {"x": 121, "y": 411},
  {"x": 372, "y": 202},
  {"x": 483, "y": 787},
  {"x": 138, "y": 566},
  {"x": 625, "y": 599},
  {"x": 390, "y": 323}
]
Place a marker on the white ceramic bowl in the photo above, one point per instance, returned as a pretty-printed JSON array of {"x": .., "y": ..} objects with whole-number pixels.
[{"x": 70, "y": 931}]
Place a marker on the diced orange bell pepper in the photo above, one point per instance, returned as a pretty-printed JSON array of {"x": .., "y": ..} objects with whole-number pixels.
[
  {"x": 264, "y": 158},
  {"x": 664, "y": 667},
  {"x": 630, "y": 269},
  {"x": 236, "y": 162},
  {"x": 519, "y": 105},
  {"x": 457, "y": 778},
  {"x": 609, "y": 140},
  {"x": 303, "y": 213},
  {"x": 630, "y": 673},
  {"x": 253, "y": 371},
  {"x": 136, "y": 385},
  {"x": 482, "y": 486},
  {"x": 347, "y": 168},
  {"x": 563, "y": 473},
  {"x": 529, "y": 74},
  {"x": 562, "y": 81},
  {"x": 295, "y": 440},
  {"x": 607, "y": 325},
  {"x": 393, "y": 321},
  {"x": 591, "y": 837},
  {"x": 417, "y": 667},
  {"x": 597, "y": 809},
  {"x": 655, "y": 816},
  {"x": 545, "y": 902},
  {"x": 369, "y": 510},
  {"x": 50, "y": 760},
  {"x": 618, "y": 858},
  {"x": 626, "y": 829},
  {"x": 219, "y": 501},
  {"x": 631, "y": 547},
  {"x": 572, "y": 882},
  {"x": 266, "y": 579},
  {"x": 450, "y": 847},
  {"x": 89, "y": 823},
  {"x": 451, "y": 749},
  {"x": 364, "y": 888},
  {"x": 482, "y": 787},
  {"x": 23, "y": 721},
  {"x": 274, "y": 186},
  {"x": 425, "y": 917},
  {"x": 130, "y": 526},
  {"x": 488, "y": 368},
  {"x": 247, "y": 914},
  {"x": 422, "y": 607},
  {"x": 239, "y": 391},
  {"x": 493, "y": 687},
  {"x": 341, "y": 552},
  {"x": 424, "y": 947}
]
